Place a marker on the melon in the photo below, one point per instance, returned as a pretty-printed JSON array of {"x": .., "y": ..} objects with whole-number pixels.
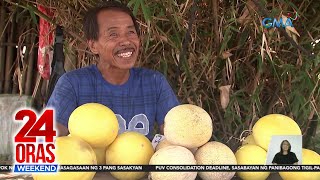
[
  {"x": 252, "y": 155},
  {"x": 272, "y": 125},
  {"x": 101, "y": 155},
  {"x": 173, "y": 155},
  {"x": 215, "y": 153},
  {"x": 71, "y": 151},
  {"x": 309, "y": 157},
  {"x": 248, "y": 140},
  {"x": 193, "y": 150},
  {"x": 94, "y": 123},
  {"x": 162, "y": 144},
  {"x": 188, "y": 125},
  {"x": 165, "y": 143},
  {"x": 129, "y": 148}
]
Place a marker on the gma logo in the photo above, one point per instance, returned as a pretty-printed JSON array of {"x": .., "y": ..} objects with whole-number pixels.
[{"x": 273, "y": 22}]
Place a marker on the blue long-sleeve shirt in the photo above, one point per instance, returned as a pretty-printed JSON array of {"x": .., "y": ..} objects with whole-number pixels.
[{"x": 143, "y": 100}]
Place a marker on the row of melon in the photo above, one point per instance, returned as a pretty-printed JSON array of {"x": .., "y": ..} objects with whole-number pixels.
[
  {"x": 92, "y": 128},
  {"x": 187, "y": 130},
  {"x": 94, "y": 139},
  {"x": 257, "y": 144}
]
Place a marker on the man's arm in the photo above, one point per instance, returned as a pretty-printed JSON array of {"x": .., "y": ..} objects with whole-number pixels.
[
  {"x": 162, "y": 129},
  {"x": 63, "y": 101},
  {"x": 165, "y": 102}
]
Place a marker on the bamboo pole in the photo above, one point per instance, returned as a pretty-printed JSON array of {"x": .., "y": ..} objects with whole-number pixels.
[
  {"x": 15, "y": 84},
  {"x": 2, "y": 48},
  {"x": 43, "y": 91},
  {"x": 5, "y": 44},
  {"x": 70, "y": 58},
  {"x": 16, "y": 79},
  {"x": 20, "y": 30},
  {"x": 9, "y": 60},
  {"x": 37, "y": 97},
  {"x": 25, "y": 61},
  {"x": 30, "y": 68},
  {"x": 215, "y": 9}
]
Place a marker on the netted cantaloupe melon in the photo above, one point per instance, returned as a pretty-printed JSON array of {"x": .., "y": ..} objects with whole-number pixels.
[
  {"x": 165, "y": 143},
  {"x": 188, "y": 125},
  {"x": 162, "y": 144},
  {"x": 215, "y": 153},
  {"x": 173, "y": 155}
]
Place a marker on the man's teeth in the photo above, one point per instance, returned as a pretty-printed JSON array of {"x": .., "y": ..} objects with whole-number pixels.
[{"x": 125, "y": 55}]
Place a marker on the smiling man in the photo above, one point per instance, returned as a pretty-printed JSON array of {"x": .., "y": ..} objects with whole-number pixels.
[{"x": 139, "y": 97}]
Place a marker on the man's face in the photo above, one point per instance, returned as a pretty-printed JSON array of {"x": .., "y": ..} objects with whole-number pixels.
[{"x": 118, "y": 42}]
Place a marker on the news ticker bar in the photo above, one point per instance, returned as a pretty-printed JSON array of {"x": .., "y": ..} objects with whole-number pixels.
[{"x": 38, "y": 168}]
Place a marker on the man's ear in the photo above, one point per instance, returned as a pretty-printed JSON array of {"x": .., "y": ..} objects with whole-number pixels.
[{"x": 93, "y": 46}]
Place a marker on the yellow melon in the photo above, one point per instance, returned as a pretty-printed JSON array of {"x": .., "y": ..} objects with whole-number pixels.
[
  {"x": 248, "y": 140},
  {"x": 129, "y": 148},
  {"x": 215, "y": 153},
  {"x": 309, "y": 157},
  {"x": 71, "y": 151},
  {"x": 272, "y": 125},
  {"x": 94, "y": 123},
  {"x": 101, "y": 155},
  {"x": 188, "y": 125},
  {"x": 252, "y": 155},
  {"x": 173, "y": 155}
]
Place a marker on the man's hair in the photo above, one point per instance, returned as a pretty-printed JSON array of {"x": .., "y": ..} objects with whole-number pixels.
[
  {"x": 90, "y": 23},
  {"x": 289, "y": 149}
]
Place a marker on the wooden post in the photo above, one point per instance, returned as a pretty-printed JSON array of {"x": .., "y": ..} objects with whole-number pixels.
[
  {"x": 9, "y": 61},
  {"x": 30, "y": 68},
  {"x": 215, "y": 9},
  {"x": 2, "y": 48},
  {"x": 15, "y": 79},
  {"x": 23, "y": 64}
]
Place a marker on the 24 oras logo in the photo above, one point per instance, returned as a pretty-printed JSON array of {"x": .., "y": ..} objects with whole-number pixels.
[
  {"x": 281, "y": 22},
  {"x": 34, "y": 142}
]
